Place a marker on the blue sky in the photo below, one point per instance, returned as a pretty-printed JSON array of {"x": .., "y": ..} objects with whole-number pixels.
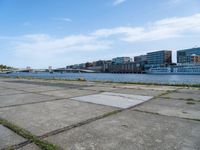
[{"x": 42, "y": 33}]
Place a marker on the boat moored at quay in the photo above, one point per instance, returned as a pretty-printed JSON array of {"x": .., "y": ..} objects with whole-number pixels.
[{"x": 190, "y": 69}]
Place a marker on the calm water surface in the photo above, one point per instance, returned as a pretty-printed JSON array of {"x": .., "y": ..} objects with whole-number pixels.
[{"x": 147, "y": 78}]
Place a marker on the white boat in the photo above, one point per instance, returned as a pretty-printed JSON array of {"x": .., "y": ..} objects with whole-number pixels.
[
  {"x": 5, "y": 72},
  {"x": 193, "y": 69}
]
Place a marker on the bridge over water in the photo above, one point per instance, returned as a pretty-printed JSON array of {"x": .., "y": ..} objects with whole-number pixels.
[{"x": 49, "y": 70}]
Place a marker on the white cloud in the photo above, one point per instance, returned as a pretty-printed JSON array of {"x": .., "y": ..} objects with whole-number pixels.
[
  {"x": 162, "y": 29},
  {"x": 103, "y": 38},
  {"x": 45, "y": 47},
  {"x": 117, "y": 2}
]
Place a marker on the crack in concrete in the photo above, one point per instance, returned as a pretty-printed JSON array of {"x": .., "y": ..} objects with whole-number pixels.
[
  {"x": 17, "y": 146},
  {"x": 42, "y": 83},
  {"x": 33, "y": 103},
  {"x": 154, "y": 113},
  {"x": 181, "y": 99},
  {"x": 11, "y": 94}
]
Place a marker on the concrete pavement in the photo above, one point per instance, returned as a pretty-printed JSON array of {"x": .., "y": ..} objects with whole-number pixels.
[{"x": 85, "y": 115}]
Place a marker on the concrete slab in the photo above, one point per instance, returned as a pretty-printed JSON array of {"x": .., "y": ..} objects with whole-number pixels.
[
  {"x": 132, "y": 130},
  {"x": 12, "y": 84},
  {"x": 68, "y": 93},
  {"x": 185, "y": 96},
  {"x": 100, "y": 88},
  {"x": 172, "y": 107},
  {"x": 1, "y": 88},
  {"x": 139, "y": 92},
  {"x": 41, "y": 89},
  {"x": 17, "y": 85},
  {"x": 45, "y": 117},
  {"x": 30, "y": 147},
  {"x": 9, "y": 138},
  {"x": 114, "y": 99},
  {"x": 12, "y": 100},
  {"x": 47, "y": 83},
  {"x": 28, "y": 87},
  {"x": 9, "y": 92}
]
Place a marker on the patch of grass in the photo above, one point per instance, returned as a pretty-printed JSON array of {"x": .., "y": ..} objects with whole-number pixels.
[
  {"x": 192, "y": 119},
  {"x": 162, "y": 94},
  {"x": 154, "y": 113},
  {"x": 27, "y": 135},
  {"x": 190, "y": 99},
  {"x": 102, "y": 91},
  {"x": 167, "y": 97},
  {"x": 81, "y": 79},
  {"x": 10, "y": 148},
  {"x": 191, "y": 103},
  {"x": 112, "y": 113}
]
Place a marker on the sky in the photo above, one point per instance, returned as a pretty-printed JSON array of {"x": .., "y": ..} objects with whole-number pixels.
[{"x": 42, "y": 33}]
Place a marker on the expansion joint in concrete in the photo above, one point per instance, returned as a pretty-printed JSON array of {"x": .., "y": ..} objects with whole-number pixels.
[
  {"x": 58, "y": 99},
  {"x": 80, "y": 123},
  {"x": 166, "y": 115}
]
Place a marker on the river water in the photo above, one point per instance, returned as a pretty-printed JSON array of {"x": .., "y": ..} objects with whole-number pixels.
[{"x": 146, "y": 78}]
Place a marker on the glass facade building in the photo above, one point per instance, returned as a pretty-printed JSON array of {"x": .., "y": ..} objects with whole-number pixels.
[
  {"x": 186, "y": 56},
  {"x": 159, "y": 58}
]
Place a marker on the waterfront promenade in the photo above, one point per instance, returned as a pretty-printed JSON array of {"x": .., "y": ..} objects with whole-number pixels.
[{"x": 82, "y": 115}]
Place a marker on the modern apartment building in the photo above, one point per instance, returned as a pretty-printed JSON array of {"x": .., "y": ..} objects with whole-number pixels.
[
  {"x": 121, "y": 60},
  {"x": 131, "y": 67},
  {"x": 159, "y": 58},
  {"x": 188, "y": 55},
  {"x": 140, "y": 58}
]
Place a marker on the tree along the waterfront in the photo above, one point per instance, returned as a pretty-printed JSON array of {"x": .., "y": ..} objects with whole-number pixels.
[{"x": 4, "y": 67}]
